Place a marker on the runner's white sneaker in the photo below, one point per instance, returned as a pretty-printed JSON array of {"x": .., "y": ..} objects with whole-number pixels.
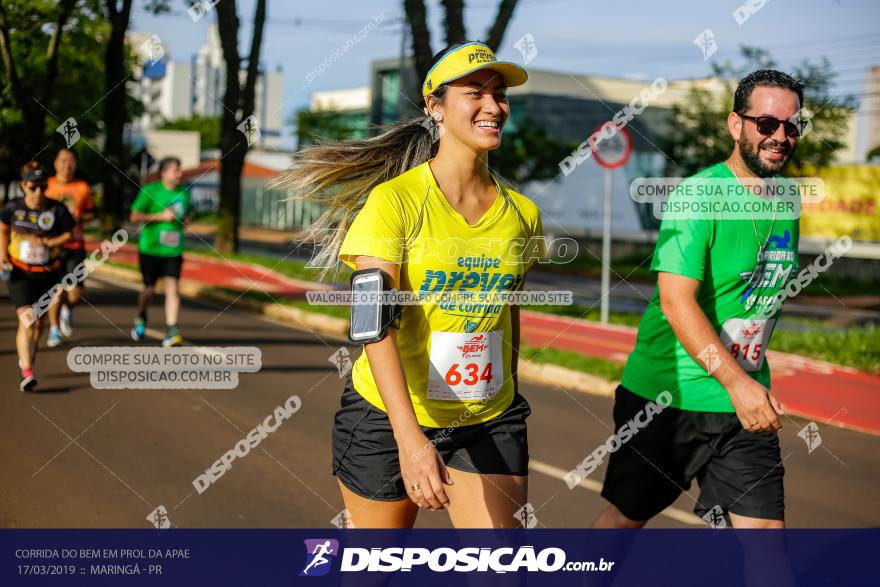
[
  {"x": 28, "y": 381},
  {"x": 66, "y": 322},
  {"x": 54, "y": 338},
  {"x": 137, "y": 333}
]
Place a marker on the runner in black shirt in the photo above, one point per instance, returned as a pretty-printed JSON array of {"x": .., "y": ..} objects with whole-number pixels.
[{"x": 32, "y": 230}]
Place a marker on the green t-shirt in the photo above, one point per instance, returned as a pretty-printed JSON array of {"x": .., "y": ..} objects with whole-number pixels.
[
  {"x": 163, "y": 239},
  {"x": 722, "y": 254}
]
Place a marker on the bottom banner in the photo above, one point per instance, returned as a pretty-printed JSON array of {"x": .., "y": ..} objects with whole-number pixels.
[{"x": 437, "y": 557}]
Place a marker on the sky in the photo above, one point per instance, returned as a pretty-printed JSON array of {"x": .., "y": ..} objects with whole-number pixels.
[{"x": 640, "y": 39}]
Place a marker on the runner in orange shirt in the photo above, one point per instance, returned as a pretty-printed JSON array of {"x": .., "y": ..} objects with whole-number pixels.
[{"x": 75, "y": 194}]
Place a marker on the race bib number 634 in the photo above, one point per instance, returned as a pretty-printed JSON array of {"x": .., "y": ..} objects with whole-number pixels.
[{"x": 465, "y": 366}]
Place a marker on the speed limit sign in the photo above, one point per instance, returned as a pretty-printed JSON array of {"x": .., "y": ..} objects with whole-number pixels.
[{"x": 614, "y": 146}]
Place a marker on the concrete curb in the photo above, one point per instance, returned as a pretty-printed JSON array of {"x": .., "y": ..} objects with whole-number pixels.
[
  {"x": 556, "y": 376},
  {"x": 539, "y": 373},
  {"x": 320, "y": 323}
]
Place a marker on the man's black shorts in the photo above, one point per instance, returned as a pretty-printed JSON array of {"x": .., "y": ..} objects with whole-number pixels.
[
  {"x": 153, "y": 267},
  {"x": 70, "y": 259},
  {"x": 365, "y": 455},
  {"x": 25, "y": 289},
  {"x": 737, "y": 470}
]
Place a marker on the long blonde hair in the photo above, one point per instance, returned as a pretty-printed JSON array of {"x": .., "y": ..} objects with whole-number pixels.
[{"x": 341, "y": 174}]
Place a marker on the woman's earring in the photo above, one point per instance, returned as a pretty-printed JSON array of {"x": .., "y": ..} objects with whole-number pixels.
[{"x": 432, "y": 123}]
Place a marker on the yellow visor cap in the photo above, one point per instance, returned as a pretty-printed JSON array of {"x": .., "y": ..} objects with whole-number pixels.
[{"x": 460, "y": 61}]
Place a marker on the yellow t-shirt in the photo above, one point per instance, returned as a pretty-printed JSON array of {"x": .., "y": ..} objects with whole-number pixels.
[{"x": 465, "y": 377}]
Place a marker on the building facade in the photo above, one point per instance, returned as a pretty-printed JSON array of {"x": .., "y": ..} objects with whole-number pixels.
[{"x": 171, "y": 89}]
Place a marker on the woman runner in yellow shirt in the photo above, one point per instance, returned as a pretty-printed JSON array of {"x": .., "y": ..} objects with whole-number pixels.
[{"x": 430, "y": 414}]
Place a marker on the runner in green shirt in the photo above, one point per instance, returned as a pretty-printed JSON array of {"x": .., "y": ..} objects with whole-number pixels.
[
  {"x": 696, "y": 386},
  {"x": 164, "y": 207},
  {"x": 721, "y": 253}
]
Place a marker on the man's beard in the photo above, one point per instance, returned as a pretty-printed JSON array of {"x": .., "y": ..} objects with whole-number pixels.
[{"x": 751, "y": 155}]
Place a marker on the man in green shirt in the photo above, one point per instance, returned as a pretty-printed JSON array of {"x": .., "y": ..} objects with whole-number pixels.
[
  {"x": 164, "y": 207},
  {"x": 702, "y": 342}
]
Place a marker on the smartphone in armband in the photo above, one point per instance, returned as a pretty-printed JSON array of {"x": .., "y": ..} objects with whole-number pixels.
[{"x": 371, "y": 312}]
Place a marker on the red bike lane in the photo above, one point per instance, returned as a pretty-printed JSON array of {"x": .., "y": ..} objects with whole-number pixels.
[
  {"x": 810, "y": 388},
  {"x": 813, "y": 389},
  {"x": 233, "y": 275}
]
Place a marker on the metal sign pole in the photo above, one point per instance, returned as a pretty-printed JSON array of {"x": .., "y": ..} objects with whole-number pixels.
[
  {"x": 606, "y": 248},
  {"x": 610, "y": 153}
]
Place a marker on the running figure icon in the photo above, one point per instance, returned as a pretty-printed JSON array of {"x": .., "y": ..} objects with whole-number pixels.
[{"x": 319, "y": 554}]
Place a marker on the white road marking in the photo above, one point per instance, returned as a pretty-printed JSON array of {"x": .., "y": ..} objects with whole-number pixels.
[{"x": 593, "y": 485}]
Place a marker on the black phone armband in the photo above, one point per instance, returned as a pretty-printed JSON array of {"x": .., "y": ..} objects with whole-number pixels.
[{"x": 372, "y": 312}]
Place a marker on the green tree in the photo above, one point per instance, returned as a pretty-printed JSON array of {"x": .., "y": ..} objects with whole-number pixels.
[
  {"x": 116, "y": 71},
  {"x": 207, "y": 126},
  {"x": 119, "y": 108},
  {"x": 312, "y": 126},
  {"x": 875, "y": 152},
  {"x": 529, "y": 153},
  {"x": 31, "y": 48},
  {"x": 697, "y": 134},
  {"x": 23, "y": 27},
  {"x": 115, "y": 181},
  {"x": 238, "y": 106},
  {"x": 55, "y": 70},
  {"x": 453, "y": 24}
]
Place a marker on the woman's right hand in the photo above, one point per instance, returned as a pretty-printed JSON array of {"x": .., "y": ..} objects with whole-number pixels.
[{"x": 421, "y": 466}]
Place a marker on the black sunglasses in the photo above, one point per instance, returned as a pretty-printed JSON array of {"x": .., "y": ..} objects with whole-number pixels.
[
  {"x": 767, "y": 125},
  {"x": 34, "y": 186}
]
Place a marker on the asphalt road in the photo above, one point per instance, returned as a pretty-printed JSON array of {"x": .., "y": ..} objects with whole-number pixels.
[{"x": 74, "y": 456}]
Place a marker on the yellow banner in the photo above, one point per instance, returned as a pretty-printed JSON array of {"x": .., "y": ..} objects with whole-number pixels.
[{"x": 851, "y": 205}]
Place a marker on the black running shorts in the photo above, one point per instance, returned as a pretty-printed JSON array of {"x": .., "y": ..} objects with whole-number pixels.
[
  {"x": 153, "y": 267},
  {"x": 25, "y": 289},
  {"x": 365, "y": 455},
  {"x": 70, "y": 260},
  {"x": 738, "y": 471}
]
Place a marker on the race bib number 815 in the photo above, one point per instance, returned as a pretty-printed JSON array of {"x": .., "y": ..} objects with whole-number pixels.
[{"x": 747, "y": 341}]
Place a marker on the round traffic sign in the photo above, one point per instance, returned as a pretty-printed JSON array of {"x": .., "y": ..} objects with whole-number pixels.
[{"x": 614, "y": 150}]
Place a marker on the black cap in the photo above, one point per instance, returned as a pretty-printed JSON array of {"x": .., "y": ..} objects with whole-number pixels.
[{"x": 34, "y": 174}]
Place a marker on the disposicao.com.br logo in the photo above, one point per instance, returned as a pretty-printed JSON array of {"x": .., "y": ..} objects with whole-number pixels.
[{"x": 441, "y": 560}]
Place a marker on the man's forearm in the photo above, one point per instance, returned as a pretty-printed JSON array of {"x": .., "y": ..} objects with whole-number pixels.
[{"x": 695, "y": 333}]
